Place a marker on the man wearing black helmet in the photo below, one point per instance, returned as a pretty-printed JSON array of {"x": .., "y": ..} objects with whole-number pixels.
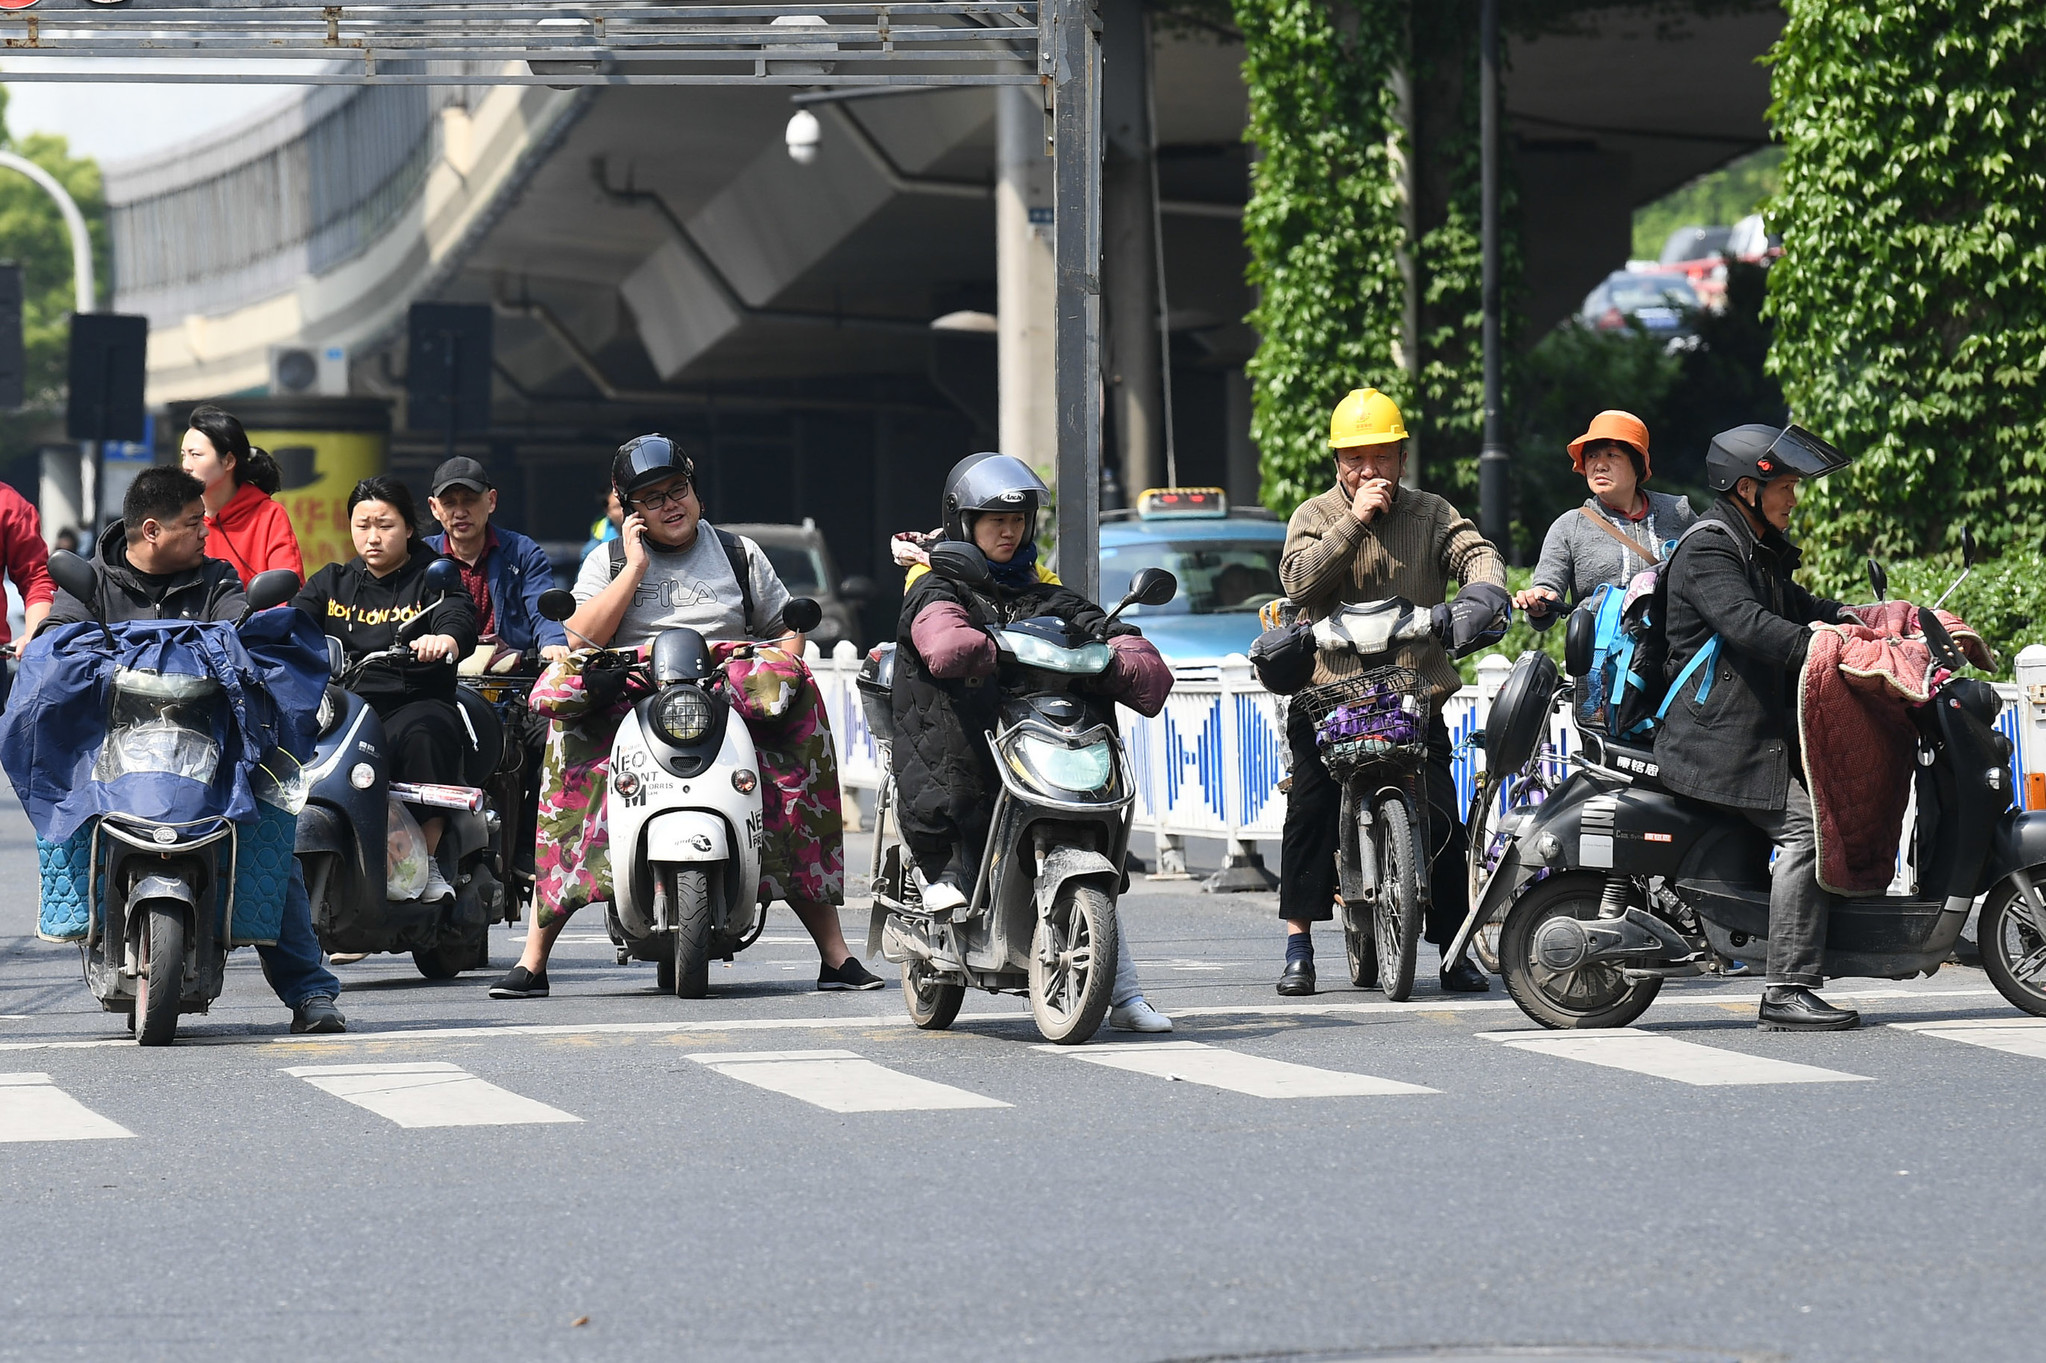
[
  {"x": 667, "y": 569},
  {"x": 1738, "y": 630}
]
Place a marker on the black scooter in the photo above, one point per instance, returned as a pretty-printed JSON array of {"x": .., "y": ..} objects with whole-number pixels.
[
  {"x": 343, "y": 830},
  {"x": 1612, "y": 884}
]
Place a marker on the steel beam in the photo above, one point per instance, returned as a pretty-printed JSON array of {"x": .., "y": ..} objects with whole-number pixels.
[{"x": 1072, "y": 60}]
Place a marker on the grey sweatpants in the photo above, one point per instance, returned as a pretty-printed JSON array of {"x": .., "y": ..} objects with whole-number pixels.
[{"x": 1797, "y": 906}]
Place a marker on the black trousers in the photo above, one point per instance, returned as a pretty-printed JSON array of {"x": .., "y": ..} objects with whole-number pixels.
[
  {"x": 427, "y": 742},
  {"x": 1312, "y": 835}
]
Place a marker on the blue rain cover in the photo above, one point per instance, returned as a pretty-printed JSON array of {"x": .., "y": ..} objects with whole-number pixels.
[{"x": 271, "y": 674}]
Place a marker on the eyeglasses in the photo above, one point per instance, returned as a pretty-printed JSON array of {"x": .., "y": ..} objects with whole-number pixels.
[{"x": 660, "y": 499}]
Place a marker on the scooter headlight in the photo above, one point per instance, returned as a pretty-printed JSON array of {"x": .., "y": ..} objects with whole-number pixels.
[
  {"x": 682, "y": 714},
  {"x": 330, "y": 711},
  {"x": 1063, "y": 767}
]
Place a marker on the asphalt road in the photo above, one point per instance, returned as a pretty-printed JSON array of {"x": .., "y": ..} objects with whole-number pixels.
[{"x": 779, "y": 1174}]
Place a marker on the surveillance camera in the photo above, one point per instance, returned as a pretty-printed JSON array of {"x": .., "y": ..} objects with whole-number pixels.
[{"x": 804, "y": 133}]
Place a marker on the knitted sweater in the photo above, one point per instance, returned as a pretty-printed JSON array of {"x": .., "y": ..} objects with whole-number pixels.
[
  {"x": 1578, "y": 557},
  {"x": 1413, "y": 550}
]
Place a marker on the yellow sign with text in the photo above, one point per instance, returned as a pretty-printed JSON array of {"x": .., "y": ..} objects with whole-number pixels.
[{"x": 318, "y": 470}]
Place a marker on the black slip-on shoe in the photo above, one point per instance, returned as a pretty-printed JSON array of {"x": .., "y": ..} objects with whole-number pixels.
[
  {"x": 1793, "y": 1008},
  {"x": 1464, "y": 977},
  {"x": 1298, "y": 979},
  {"x": 520, "y": 983},
  {"x": 317, "y": 1014},
  {"x": 849, "y": 975}
]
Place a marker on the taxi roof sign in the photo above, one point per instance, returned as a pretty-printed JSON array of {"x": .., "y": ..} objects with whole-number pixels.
[{"x": 1157, "y": 503}]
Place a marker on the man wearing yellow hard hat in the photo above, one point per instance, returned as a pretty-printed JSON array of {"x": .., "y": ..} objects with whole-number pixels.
[{"x": 1366, "y": 539}]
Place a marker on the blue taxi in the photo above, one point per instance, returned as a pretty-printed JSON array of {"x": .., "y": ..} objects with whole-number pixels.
[{"x": 1227, "y": 563}]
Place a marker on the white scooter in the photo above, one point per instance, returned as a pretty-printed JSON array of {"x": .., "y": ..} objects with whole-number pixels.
[{"x": 683, "y": 808}]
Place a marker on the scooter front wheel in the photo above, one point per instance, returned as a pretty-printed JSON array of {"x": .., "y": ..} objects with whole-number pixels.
[
  {"x": 163, "y": 972},
  {"x": 2014, "y": 948},
  {"x": 691, "y": 937},
  {"x": 1593, "y": 994},
  {"x": 1396, "y": 910},
  {"x": 932, "y": 1003},
  {"x": 1069, "y": 993}
]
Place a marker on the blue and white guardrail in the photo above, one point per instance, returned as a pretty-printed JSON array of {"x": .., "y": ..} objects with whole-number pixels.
[{"x": 1210, "y": 763}]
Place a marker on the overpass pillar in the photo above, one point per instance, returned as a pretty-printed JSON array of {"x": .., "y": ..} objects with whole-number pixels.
[{"x": 1024, "y": 278}]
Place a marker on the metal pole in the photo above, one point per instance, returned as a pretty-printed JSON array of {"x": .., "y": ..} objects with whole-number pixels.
[
  {"x": 1075, "y": 61},
  {"x": 82, "y": 293},
  {"x": 1494, "y": 486}
]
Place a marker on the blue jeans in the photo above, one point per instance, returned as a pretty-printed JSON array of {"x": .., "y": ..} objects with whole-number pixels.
[{"x": 293, "y": 965}]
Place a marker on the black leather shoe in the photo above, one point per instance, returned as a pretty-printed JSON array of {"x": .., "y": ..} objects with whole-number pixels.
[
  {"x": 1793, "y": 1008},
  {"x": 1298, "y": 979},
  {"x": 1465, "y": 978}
]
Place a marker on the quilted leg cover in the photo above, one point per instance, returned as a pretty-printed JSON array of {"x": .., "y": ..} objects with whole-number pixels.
[
  {"x": 65, "y": 867},
  {"x": 262, "y": 876}
]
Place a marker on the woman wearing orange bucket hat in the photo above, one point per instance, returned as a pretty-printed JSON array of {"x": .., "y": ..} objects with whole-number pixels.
[{"x": 1621, "y": 528}]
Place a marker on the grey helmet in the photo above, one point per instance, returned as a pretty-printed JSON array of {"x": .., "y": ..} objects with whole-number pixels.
[
  {"x": 990, "y": 482},
  {"x": 1766, "y": 452}
]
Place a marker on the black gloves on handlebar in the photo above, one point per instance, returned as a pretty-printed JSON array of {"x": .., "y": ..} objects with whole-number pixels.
[
  {"x": 1477, "y": 617},
  {"x": 604, "y": 677}
]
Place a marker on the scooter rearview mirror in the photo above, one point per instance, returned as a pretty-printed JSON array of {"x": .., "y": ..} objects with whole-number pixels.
[
  {"x": 1967, "y": 547},
  {"x": 268, "y": 590},
  {"x": 76, "y": 576},
  {"x": 557, "y": 604},
  {"x": 801, "y": 615},
  {"x": 443, "y": 576},
  {"x": 1879, "y": 580},
  {"x": 957, "y": 561},
  {"x": 1153, "y": 587}
]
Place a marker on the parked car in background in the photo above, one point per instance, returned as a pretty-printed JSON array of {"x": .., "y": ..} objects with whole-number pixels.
[
  {"x": 1692, "y": 243},
  {"x": 1662, "y": 304},
  {"x": 1227, "y": 563},
  {"x": 804, "y": 563}
]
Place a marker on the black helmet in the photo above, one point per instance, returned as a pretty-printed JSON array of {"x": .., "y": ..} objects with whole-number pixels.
[
  {"x": 647, "y": 459},
  {"x": 990, "y": 482},
  {"x": 1766, "y": 452}
]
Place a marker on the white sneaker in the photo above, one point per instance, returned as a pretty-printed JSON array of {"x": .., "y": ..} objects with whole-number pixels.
[
  {"x": 437, "y": 887},
  {"x": 941, "y": 895},
  {"x": 1138, "y": 1016}
]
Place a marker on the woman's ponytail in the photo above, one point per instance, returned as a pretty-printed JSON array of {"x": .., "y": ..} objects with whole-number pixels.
[{"x": 259, "y": 468}]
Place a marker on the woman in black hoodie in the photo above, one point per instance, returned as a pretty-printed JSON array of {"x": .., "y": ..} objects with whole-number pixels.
[{"x": 362, "y": 603}]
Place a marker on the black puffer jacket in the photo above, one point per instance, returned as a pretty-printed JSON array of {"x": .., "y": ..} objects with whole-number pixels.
[
  {"x": 944, "y": 774},
  {"x": 1737, "y": 748},
  {"x": 364, "y": 612},
  {"x": 210, "y": 590}
]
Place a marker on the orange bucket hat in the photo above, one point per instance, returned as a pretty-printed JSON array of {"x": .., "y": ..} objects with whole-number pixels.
[{"x": 1624, "y": 427}]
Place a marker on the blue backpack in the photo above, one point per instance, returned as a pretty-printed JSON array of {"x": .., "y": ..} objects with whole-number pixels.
[{"x": 1618, "y": 653}]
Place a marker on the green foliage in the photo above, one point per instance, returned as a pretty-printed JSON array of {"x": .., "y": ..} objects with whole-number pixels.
[
  {"x": 2003, "y": 600},
  {"x": 32, "y": 234},
  {"x": 1322, "y": 225},
  {"x": 1910, "y": 305},
  {"x": 1718, "y": 198}
]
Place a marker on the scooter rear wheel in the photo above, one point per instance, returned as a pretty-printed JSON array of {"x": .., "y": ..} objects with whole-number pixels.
[
  {"x": 1590, "y": 995},
  {"x": 2013, "y": 950},
  {"x": 163, "y": 973},
  {"x": 932, "y": 1004},
  {"x": 1069, "y": 995}
]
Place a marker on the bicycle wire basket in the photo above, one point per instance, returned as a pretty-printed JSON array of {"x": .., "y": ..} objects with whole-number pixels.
[{"x": 1367, "y": 718}]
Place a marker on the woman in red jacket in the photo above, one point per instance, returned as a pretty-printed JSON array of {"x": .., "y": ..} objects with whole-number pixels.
[{"x": 244, "y": 525}]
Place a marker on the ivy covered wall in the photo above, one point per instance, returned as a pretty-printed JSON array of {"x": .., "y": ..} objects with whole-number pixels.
[{"x": 1910, "y": 303}]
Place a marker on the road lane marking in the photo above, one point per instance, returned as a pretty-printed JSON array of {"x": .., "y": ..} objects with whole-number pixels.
[
  {"x": 428, "y": 1093},
  {"x": 1665, "y": 1057},
  {"x": 1254, "y": 1075},
  {"x": 1377, "y": 1008},
  {"x": 840, "y": 1081},
  {"x": 34, "y": 1109},
  {"x": 2017, "y": 1036}
]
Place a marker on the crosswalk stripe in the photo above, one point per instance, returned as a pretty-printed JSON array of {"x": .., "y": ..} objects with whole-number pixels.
[
  {"x": 840, "y": 1081},
  {"x": 1254, "y": 1075},
  {"x": 2018, "y": 1036},
  {"x": 428, "y": 1093},
  {"x": 34, "y": 1109},
  {"x": 1665, "y": 1057}
]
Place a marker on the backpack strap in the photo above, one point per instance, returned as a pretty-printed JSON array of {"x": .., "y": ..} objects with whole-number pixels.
[
  {"x": 735, "y": 555},
  {"x": 1626, "y": 543},
  {"x": 1704, "y": 657}
]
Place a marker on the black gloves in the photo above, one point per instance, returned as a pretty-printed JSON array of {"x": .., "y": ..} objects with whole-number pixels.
[{"x": 1477, "y": 617}]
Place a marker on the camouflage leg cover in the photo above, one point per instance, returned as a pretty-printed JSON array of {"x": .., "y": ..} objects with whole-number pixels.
[
  {"x": 802, "y": 859},
  {"x": 573, "y": 855}
]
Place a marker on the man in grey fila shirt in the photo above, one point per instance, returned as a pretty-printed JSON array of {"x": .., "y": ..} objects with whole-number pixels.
[{"x": 670, "y": 568}]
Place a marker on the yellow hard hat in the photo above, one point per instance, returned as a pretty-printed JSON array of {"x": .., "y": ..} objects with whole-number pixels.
[{"x": 1365, "y": 417}]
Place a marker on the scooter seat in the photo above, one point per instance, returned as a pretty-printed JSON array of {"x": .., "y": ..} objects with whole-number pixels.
[{"x": 480, "y": 762}]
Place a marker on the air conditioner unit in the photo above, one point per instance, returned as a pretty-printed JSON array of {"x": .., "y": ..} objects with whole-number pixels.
[{"x": 308, "y": 371}]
